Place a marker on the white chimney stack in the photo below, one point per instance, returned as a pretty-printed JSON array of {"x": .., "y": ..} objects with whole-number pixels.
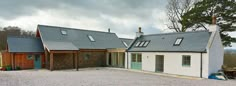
[{"x": 139, "y": 33}]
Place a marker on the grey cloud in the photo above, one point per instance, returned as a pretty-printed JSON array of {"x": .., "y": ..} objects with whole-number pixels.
[{"x": 11, "y": 9}]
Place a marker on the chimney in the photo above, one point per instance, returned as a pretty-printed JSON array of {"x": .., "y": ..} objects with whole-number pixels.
[
  {"x": 139, "y": 33},
  {"x": 109, "y": 30},
  {"x": 213, "y": 27}
]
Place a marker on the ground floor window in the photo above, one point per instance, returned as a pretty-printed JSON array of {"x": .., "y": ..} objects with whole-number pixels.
[
  {"x": 136, "y": 57},
  {"x": 29, "y": 57},
  {"x": 186, "y": 60}
]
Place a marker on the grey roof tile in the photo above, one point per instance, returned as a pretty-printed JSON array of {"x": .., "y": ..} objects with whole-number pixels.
[
  {"x": 19, "y": 44},
  {"x": 77, "y": 38},
  {"x": 192, "y": 42}
]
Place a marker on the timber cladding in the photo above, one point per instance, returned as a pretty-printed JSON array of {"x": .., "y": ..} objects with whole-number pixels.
[
  {"x": 92, "y": 59},
  {"x": 63, "y": 61}
]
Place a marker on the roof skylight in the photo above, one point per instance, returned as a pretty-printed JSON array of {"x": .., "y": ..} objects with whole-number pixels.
[
  {"x": 146, "y": 43},
  {"x": 137, "y": 44},
  {"x": 142, "y": 43},
  {"x": 63, "y": 32},
  {"x": 91, "y": 38},
  {"x": 125, "y": 44},
  {"x": 178, "y": 41}
]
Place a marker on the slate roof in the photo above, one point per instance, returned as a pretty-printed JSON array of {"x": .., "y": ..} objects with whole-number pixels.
[
  {"x": 76, "y": 39},
  {"x": 19, "y": 44},
  {"x": 126, "y": 40},
  {"x": 192, "y": 42}
]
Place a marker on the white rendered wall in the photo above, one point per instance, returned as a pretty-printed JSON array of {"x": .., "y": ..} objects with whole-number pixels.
[
  {"x": 173, "y": 63},
  {"x": 216, "y": 54}
]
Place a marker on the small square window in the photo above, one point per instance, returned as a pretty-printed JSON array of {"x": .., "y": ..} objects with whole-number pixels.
[
  {"x": 91, "y": 38},
  {"x": 186, "y": 60},
  {"x": 178, "y": 41},
  {"x": 63, "y": 32},
  {"x": 86, "y": 56},
  {"x": 29, "y": 57}
]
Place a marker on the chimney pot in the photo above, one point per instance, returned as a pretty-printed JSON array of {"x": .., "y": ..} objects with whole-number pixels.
[
  {"x": 139, "y": 29},
  {"x": 109, "y": 30}
]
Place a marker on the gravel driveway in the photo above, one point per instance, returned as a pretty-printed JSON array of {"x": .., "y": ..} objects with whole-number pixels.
[{"x": 99, "y": 77}]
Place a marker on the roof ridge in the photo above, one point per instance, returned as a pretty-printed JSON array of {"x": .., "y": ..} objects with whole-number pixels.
[
  {"x": 172, "y": 33},
  {"x": 126, "y": 38},
  {"x": 75, "y": 29}
]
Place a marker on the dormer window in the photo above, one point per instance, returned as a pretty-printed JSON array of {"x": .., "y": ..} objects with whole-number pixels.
[
  {"x": 178, "y": 41},
  {"x": 63, "y": 32},
  {"x": 91, "y": 38}
]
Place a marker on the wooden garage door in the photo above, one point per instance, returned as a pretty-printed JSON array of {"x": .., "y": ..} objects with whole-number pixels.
[{"x": 136, "y": 61}]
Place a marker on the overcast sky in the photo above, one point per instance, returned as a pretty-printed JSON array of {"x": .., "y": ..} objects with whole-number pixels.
[{"x": 122, "y": 16}]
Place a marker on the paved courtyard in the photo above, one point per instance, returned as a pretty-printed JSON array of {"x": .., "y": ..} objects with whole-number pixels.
[{"x": 99, "y": 77}]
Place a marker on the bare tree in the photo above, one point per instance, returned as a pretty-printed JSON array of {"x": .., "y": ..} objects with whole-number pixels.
[{"x": 175, "y": 10}]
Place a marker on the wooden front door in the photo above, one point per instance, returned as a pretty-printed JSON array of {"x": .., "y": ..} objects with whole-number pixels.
[
  {"x": 159, "y": 63},
  {"x": 37, "y": 62},
  {"x": 136, "y": 61}
]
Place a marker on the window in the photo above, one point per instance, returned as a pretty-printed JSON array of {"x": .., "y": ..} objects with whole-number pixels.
[
  {"x": 91, "y": 38},
  {"x": 125, "y": 44},
  {"x": 29, "y": 57},
  {"x": 136, "y": 57},
  {"x": 178, "y": 41},
  {"x": 146, "y": 43},
  {"x": 86, "y": 56},
  {"x": 137, "y": 44},
  {"x": 63, "y": 32},
  {"x": 139, "y": 58},
  {"x": 186, "y": 60},
  {"x": 142, "y": 43}
]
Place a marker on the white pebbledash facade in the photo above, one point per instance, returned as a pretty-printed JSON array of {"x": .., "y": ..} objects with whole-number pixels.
[{"x": 202, "y": 64}]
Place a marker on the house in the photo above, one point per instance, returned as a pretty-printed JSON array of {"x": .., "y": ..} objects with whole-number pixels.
[
  {"x": 195, "y": 54},
  {"x": 67, "y": 48},
  {"x": 26, "y": 53}
]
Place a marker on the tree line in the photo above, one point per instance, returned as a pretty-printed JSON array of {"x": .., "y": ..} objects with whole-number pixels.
[
  {"x": 12, "y": 31},
  {"x": 194, "y": 15}
]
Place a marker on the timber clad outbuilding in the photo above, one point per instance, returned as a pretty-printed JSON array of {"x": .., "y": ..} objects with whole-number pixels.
[
  {"x": 67, "y": 48},
  {"x": 26, "y": 53}
]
